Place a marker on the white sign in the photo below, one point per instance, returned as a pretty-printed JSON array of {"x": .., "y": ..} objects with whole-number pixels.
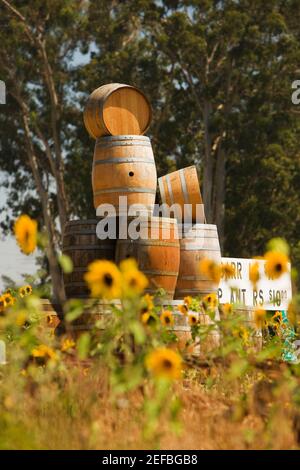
[{"x": 269, "y": 294}]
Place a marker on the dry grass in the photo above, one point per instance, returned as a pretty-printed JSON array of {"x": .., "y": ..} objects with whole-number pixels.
[{"x": 83, "y": 415}]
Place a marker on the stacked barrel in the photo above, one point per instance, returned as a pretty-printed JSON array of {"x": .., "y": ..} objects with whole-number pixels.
[
  {"x": 117, "y": 117},
  {"x": 198, "y": 240}
]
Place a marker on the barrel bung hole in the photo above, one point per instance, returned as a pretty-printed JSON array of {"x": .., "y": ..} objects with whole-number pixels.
[{"x": 131, "y": 173}]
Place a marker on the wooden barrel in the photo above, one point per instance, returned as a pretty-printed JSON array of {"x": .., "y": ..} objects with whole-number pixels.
[
  {"x": 198, "y": 242},
  {"x": 124, "y": 166},
  {"x": 211, "y": 334},
  {"x": 81, "y": 244},
  {"x": 156, "y": 251},
  {"x": 211, "y": 338},
  {"x": 116, "y": 109},
  {"x": 182, "y": 331},
  {"x": 96, "y": 316},
  {"x": 247, "y": 320},
  {"x": 182, "y": 187}
]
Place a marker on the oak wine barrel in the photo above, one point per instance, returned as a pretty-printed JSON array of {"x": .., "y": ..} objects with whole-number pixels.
[
  {"x": 124, "y": 166},
  {"x": 156, "y": 251},
  {"x": 182, "y": 187},
  {"x": 115, "y": 109},
  {"x": 198, "y": 242},
  {"x": 81, "y": 244},
  {"x": 247, "y": 320}
]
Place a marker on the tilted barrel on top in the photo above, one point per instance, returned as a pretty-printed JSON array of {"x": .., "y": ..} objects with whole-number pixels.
[
  {"x": 156, "y": 251},
  {"x": 115, "y": 109},
  {"x": 81, "y": 244},
  {"x": 124, "y": 166},
  {"x": 198, "y": 242},
  {"x": 182, "y": 187}
]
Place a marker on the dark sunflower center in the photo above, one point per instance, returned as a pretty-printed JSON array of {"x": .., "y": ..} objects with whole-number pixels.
[
  {"x": 193, "y": 320},
  {"x": 133, "y": 282},
  {"x": 167, "y": 319},
  {"x": 151, "y": 320},
  {"x": 278, "y": 267},
  {"x": 27, "y": 289},
  {"x": 167, "y": 364},
  {"x": 108, "y": 280},
  {"x": 144, "y": 310}
]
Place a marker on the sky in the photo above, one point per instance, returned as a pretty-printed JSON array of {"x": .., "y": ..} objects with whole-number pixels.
[{"x": 12, "y": 262}]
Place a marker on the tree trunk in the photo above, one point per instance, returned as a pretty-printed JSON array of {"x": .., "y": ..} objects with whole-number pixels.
[
  {"x": 219, "y": 192},
  {"x": 207, "y": 165},
  {"x": 55, "y": 272}
]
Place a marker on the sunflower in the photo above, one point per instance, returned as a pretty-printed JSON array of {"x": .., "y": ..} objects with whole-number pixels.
[
  {"x": 259, "y": 317},
  {"x": 148, "y": 319},
  {"x": 276, "y": 264},
  {"x": 128, "y": 264},
  {"x": 193, "y": 319},
  {"x": 21, "y": 318},
  {"x": 227, "y": 271},
  {"x": 188, "y": 300},
  {"x": 67, "y": 344},
  {"x": 277, "y": 317},
  {"x": 167, "y": 318},
  {"x": 26, "y": 233},
  {"x": 135, "y": 281},
  {"x": 210, "y": 300},
  {"x": 183, "y": 309},
  {"x": 165, "y": 363},
  {"x": 210, "y": 269},
  {"x": 227, "y": 309},
  {"x": 147, "y": 303},
  {"x": 254, "y": 273},
  {"x": 104, "y": 279},
  {"x": 241, "y": 332},
  {"x": 25, "y": 290},
  {"x": 2, "y": 304},
  {"x": 8, "y": 299},
  {"x": 43, "y": 352}
]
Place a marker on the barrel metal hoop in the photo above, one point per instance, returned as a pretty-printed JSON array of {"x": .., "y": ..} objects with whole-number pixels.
[
  {"x": 110, "y": 247},
  {"x": 122, "y": 144},
  {"x": 112, "y": 138},
  {"x": 124, "y": 160},
  {"x": 180, "y": 328},
  {"x": 125, "y": 190},
  {"x": 193, "y": 278},
  {"x": 149, "y": 242},
  {"x": 153, "y": 272}
]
